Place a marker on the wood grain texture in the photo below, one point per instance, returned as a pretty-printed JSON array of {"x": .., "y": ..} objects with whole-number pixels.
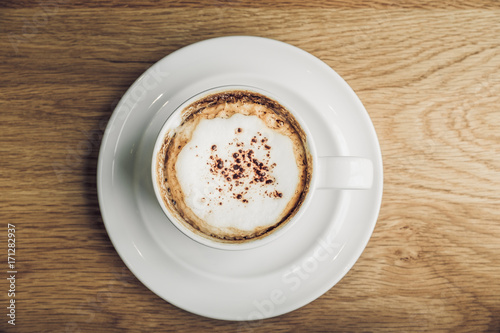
[
  {"x": 430, "y": 80},
  {"x": 335, "y": 4}
]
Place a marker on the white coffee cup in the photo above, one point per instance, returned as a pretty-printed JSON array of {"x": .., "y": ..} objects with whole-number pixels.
[{"x": 336, "y": 172}]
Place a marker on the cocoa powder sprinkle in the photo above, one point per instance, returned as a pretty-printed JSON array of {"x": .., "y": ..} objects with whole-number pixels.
[{"x": 244, "y": 168}]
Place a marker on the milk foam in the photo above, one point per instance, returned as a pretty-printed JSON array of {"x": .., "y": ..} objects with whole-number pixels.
[{"x": 216, "y": 188}]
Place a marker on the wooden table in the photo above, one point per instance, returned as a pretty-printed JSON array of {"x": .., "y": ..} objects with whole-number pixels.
[{"x": 427, "y": 72}]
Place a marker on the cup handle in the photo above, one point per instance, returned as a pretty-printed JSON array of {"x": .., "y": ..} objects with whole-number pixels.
[{"x": 345, "y": 172}]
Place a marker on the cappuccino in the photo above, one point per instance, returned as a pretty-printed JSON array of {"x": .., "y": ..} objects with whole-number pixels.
[{"x": 236, "y": 169}]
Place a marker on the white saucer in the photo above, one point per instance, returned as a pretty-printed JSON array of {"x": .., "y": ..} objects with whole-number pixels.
[{"x": 251, "y": 284}]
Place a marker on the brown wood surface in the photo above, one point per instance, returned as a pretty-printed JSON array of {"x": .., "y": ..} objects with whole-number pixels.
[{"x": 428, "y": 73}]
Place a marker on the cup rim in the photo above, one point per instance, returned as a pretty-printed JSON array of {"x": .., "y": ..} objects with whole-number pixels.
[{"x": 205, "y": 240}]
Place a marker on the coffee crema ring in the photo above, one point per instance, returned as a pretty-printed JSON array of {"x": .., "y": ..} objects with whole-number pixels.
[{"x": 236, "y": 169}]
